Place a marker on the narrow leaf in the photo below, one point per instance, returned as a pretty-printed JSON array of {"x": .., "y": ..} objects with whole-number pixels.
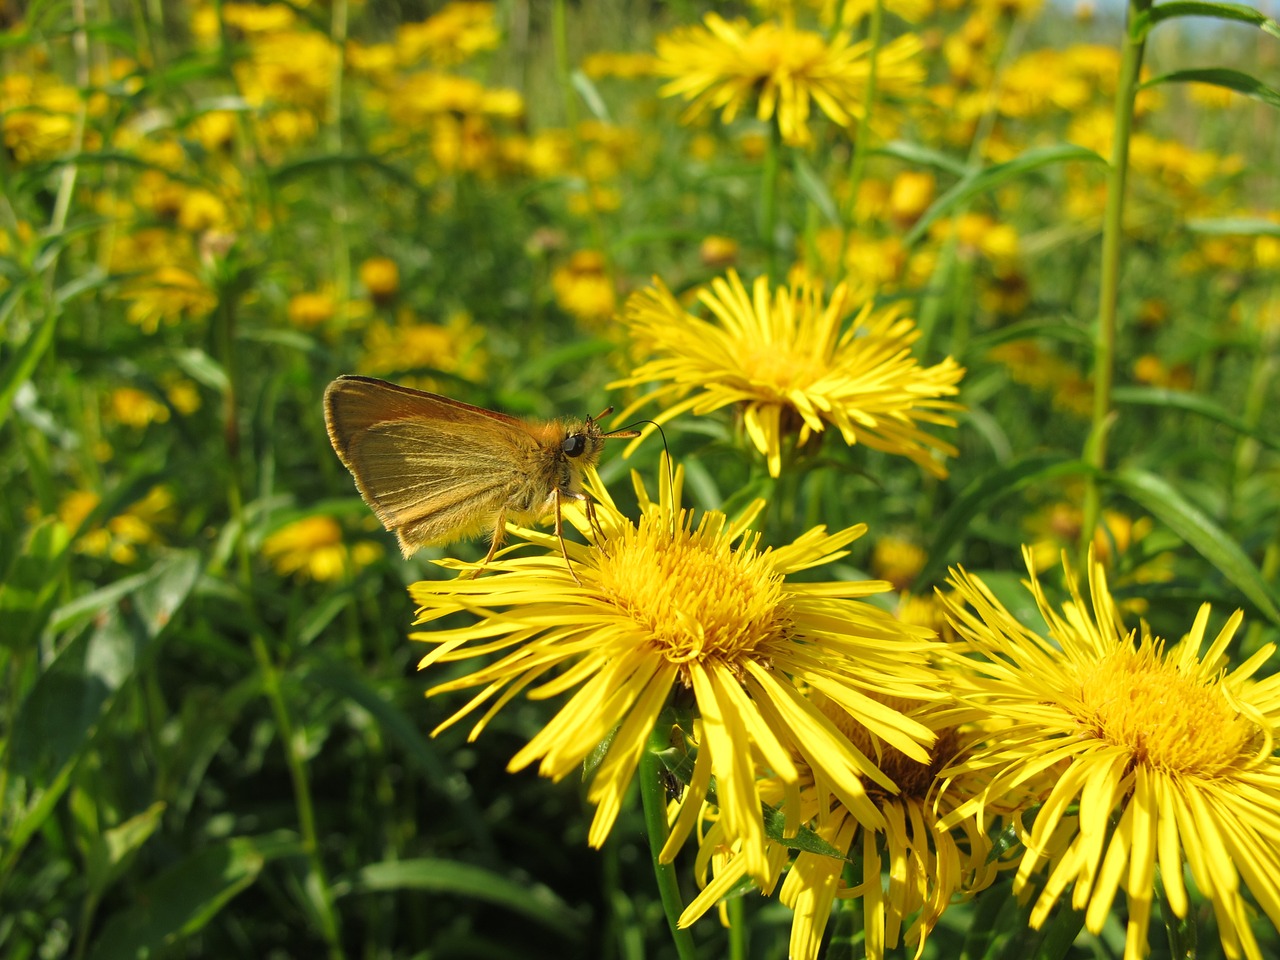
[
  {"x": 811, "y": 186},
  {"x": 988, "y": 489},
  {"x": 988, "y": 179},
  {"x": 1192, "y": 403},
  {"x": 1193, "y": 8},
  {"x": 532, "y": 900},
  {"x": 1222, "y": 77},
  {"x": 1198, "y": 530},
  {"x": 24, "y": 360},
  {"x": 29, "y": 589},
  {"x": 180, "y": 900},
  {"x": 1235, "y": 226}
]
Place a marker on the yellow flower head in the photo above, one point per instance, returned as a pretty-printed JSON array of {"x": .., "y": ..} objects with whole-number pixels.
[
  {"x": 453, "y": 347},
  {"x": 905, "y": 873},
  {"x": 135, "y": 408},
  {"x": 455, "y": 34},
  {"x": 169, "y": 294},
  {"x": 380, "y": 277},
  {"x": 120, "y": 536},
  {"x": 788, "y": 359},
  {"x": 311, "y": 308},
  {"x": 671, "y": 603},
  {"x": 584, "y": 287},
  {"x": 782, "y": 70},
  {"x": 1162, "y": 757},
  {"x": 314, "y": 548}
]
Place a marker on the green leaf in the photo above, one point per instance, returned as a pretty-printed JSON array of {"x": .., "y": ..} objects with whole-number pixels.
[
  {"x": 113, "y": 849},
  {"x": 918, "y": 155},
  {"x": 57, "y": 720},
  {"x": 532, "y": 900},
  {"x": 1193, "y": 403},
  {"x": 180, "y": 900},
  {"x": 1235, "y": 226},
  {"x": 1057, "y": 328},
  {"x": 27, "y": 596},
  {"x": 23, "y": 362},
  {"x": 1221, "y": 77},
  {"x": 203, "y": 369},
  {"x": 590, "y": 95},
  {"x": 805, "y": 840},
  {"x": 984, "y": 181},
  {"x": 1198, "y": 530},
  {"x": 990, "y": 488},
  {"x": 1191, "y": 8},
  {"x": 351, "y": 685},
  {"x": 811, "y": 186}
]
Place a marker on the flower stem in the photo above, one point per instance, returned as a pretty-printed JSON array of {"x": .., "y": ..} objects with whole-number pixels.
[
  {"x": 653, "y": 793},
  {"x": 564, "y": 75},
  {"x": 861, "y": 141},
  {"x": 294, "y": 750},
  {"x": 769, "y": 199},
  {"x": 1104, "y": 342}
]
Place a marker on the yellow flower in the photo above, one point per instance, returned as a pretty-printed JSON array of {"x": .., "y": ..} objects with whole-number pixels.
[
  {"x": 626, "y": 66},
  {"x": 295, "y": 68},
  {"x": 201, "y": 210},
  {"x": 457, "y": 33},
  {"x": 718, "y": 252},
  {"x": 409, "y": 345},
  {"x": 120, "y": 536},
  {"x": 897, "y": 560},
  {"x": 311, "y": 308},
  {"x": 254, "y": 19},
  {"x": 668, "y": 604},
  {"x": 911, "y": 194},
  {"x": 38, "y": 116},
  {"x": 313, "y": 549},
  {"x": 584, "y": 288},
  {"x": 782, "y": 70},
  {"x": 905, "y": 873},
  {"x": 136, "y": 408},
  {"x": 169, "y": 294},
  {"x": 790, "y": 362},
  {"x": 380, "y": 277},
  {"x": 1166, "y": 757}
]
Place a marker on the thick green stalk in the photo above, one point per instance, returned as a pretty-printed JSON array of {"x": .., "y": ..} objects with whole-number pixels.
[
  {"x": 1104, "y": 339},
  {"x": 653, "y": 793}
]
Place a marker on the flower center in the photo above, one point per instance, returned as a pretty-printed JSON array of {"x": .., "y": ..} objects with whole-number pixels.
[
  {"x": 695, "y": 596},
  {"x": 913, "y": 778},
  {"x": 778, "y": 52},
  {"x": 1166, "y": 719},
  {"x": 781, "y": 370}
]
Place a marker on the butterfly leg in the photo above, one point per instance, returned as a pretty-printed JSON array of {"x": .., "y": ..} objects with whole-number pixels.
[
  {"x": 499, "y": 529},
  {"x": 560, "y": 497}
]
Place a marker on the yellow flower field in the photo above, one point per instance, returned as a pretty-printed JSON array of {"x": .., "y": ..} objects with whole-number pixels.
[{"x": 928, "y": 610}]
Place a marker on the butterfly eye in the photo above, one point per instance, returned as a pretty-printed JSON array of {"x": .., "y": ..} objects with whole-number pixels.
[{"x": 574, "y": 445}]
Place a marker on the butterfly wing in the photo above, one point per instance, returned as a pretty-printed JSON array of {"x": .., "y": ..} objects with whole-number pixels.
[{"x": 432, "y": 469}]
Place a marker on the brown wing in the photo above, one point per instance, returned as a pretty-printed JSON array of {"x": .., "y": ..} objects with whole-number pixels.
[{"x": 431, "y": 468}]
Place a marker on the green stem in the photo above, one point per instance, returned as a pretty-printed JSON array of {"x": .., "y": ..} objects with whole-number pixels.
[
  {"x": 939, "y": 293},
  {"x": 857, "y": 166},
  {"x": 1104, "y": 343},
  {"x": 294, "y": 749},
  {"x": 653, "y": 793},
  {"x": 333, "y": 142},
  {"x": 564, "y": 75},
  {"x": 769, "y": 199}
]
